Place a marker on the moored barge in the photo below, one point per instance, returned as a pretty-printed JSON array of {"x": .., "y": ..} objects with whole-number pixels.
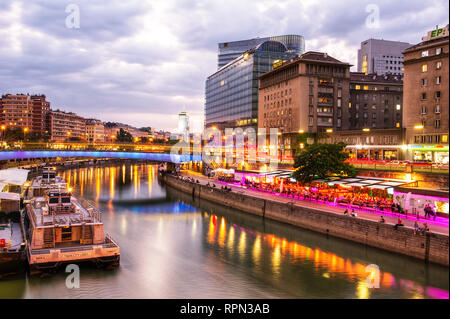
[{"x": 63, "y": 229}]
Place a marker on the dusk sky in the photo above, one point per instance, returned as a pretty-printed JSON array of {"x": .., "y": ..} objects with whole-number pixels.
[{"x": 139, "y": 62}]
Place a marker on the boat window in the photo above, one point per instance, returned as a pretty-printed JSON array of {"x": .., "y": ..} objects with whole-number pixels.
[
  {"x": 65, "y": 200},
  {"x": 45, "y": 175},
  {"x": 53, "y": 200}
]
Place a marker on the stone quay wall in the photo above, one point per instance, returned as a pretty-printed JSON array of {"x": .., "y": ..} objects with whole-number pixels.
[{"x": 430, "y": 247}]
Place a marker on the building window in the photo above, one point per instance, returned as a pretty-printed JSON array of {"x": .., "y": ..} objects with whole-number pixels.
[
  {"x": 424, "y": 68},
  {"x": 423, "y": 110},
  {"x": 366, "y": 87},
  {"x": 438, "y": 65},
  {"x": 357, "y": 87},
  {"x": 310, "y": 121},
  {"x": 424, "y": 82},
  {"x": 438, "y": 94},
  {"x": 444, "y": 138},
  {"x": 424, "y": 53},
  {"x": 437, "y": 123},
  {"x": 438, "y": 80},
  {"x": 338, "y": 122},
  {"x": 437, "y": 109},
  {"x": 438, "y": 51},
  {"x": 424, "y": 96}
]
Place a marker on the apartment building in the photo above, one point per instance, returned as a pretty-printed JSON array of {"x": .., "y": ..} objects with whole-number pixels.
[
  {"x": 425, "y": 96},
  {"x": 376, "y": 101},
  {"x": 65, "y": 125},
  {"x": 309, "y": 94}
]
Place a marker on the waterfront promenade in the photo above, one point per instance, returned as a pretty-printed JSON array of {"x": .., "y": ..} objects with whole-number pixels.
[{"x": 440, "y": 226}]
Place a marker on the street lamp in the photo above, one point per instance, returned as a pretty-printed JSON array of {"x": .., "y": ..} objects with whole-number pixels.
[
  {"x": 3, "y": 127},
  {"x": 25, "y": 131}
]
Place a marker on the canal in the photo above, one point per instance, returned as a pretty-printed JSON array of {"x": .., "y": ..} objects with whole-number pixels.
[{"x": 173, "y": 247}]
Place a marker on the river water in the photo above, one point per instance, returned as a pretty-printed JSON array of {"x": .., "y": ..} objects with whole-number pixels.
[{"x": 173, "y": 247}]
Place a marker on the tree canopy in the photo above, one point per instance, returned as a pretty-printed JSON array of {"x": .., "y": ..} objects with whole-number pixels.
[
  {"x": 124, "y": 136},
  {"x": 320, "y": 161}
]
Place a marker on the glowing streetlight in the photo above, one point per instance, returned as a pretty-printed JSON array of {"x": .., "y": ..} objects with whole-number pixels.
[{"x": 366, "y": 129}]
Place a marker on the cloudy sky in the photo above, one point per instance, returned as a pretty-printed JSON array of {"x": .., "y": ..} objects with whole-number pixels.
[{"x": 139, "y": 62}]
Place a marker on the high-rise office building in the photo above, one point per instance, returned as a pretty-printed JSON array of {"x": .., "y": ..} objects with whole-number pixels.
[
  {"x": 183, "y": 124},
  {"x": 381, "y": 57},
  {"x": 426, "y": 100},
  {"x": 232, "y": 91},
  {"x": 228, "y": 51}
]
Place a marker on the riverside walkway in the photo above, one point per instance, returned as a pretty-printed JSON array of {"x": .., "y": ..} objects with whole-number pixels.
[{"x": 440, "y": 226}]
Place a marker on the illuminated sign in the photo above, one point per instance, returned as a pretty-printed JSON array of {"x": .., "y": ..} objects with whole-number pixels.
[
  {"x": 438, "y": 33},
  {"x": 277, "y": 63}
]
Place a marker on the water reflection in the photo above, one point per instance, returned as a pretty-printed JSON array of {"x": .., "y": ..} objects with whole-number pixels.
[{"x": 173, "y": 247}]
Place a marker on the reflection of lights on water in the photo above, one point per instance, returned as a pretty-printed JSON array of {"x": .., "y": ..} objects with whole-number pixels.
[
  {"x": 242, "y": 241},
  {"x": 326, "y": 275},
  {"x": 123, "y": 225},
  {"x": 276, "y": 260},
  {"x": 212, "y": 229},
  {"x": 194, "y": 227},
  {"x": 222, "y": 231},
  {"x": 257, "y": 250},
  {"x": 112, "y": 179},
  {"x": 231, "y": 239},
  {"x": 362, "y": 292}
]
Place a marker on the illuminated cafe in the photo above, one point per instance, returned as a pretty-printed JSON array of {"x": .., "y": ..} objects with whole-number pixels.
[
  {"x": 429, "y": 153},
  {"x": 376, "y": 144}
]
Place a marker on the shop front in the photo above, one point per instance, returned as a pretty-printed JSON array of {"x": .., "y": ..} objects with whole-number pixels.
[{"x": 429, "y": 153}]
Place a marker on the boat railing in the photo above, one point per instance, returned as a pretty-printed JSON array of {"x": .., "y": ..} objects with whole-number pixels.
[
  {"x": 94, "y": 213},
  {"x": 109, "y": 242}
]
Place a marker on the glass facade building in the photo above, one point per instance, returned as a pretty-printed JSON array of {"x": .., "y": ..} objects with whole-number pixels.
[
  {"x": 228, "y": 51},
  {"x": 232, "y": 92}
]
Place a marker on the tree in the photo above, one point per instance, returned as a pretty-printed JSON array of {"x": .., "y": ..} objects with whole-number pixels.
[
  {"x": 320, "y": 161},
  {"x": 14, "y": 134},
  {"x": 124, "y": 136}
]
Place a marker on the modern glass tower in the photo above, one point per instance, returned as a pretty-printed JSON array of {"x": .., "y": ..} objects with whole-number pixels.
[
  {"x": 228, "y": 51},
  {"x": 232, "y": 91}
]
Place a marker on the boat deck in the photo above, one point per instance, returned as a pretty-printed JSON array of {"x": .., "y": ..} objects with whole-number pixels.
[
  {"x": 14, "y": 240},
  {"x": 80, "y": 214}
]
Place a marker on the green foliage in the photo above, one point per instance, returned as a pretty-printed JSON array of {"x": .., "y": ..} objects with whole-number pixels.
[
  {"x": 14, "y": 134},
  {"x": 124, "y": 136},
  {"x": 320, "y": 161}
]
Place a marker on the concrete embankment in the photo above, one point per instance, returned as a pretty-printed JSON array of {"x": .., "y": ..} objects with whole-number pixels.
[{"x": 429, "y": 247}]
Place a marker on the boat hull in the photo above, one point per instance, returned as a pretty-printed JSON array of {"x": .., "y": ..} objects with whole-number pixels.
[{"x": 12, "y": 263}]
